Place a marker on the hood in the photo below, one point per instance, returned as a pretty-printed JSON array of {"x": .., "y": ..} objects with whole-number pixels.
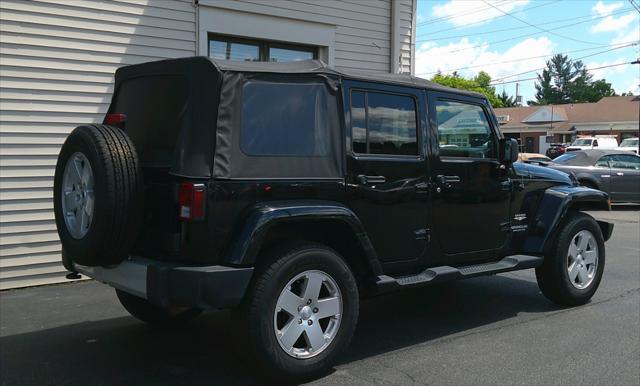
[{"x": 535, "y": 172}]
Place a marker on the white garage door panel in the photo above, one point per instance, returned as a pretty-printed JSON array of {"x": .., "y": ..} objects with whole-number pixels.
[{"x": 56, "y": 72}]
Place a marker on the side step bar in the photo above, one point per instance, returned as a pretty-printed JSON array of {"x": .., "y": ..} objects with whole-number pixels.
[{"x": 446, "y": 273}]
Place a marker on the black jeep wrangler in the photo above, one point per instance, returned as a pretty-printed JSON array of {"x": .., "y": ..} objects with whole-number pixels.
[{"x": 288, "y": 191}]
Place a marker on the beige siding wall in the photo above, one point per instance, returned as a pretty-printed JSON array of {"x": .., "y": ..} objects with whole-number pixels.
[
  {"x": 57, "y": 60},
  {"x": 363, "y": 28}
]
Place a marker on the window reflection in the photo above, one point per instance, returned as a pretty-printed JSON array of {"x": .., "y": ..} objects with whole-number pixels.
[
  {"x": 234, "y": 51},
  {"x": 288, "y": 55},
  {"x": 463, "y": 130},
  {"x": 388, "y": 119}
]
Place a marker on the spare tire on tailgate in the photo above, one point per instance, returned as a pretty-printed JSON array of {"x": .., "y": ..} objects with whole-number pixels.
[{"x": 98, "y": 195}]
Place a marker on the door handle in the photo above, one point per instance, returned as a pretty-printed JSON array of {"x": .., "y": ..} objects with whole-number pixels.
[
  {"x": 619, "y": 174},
  {"x": 365, "y": 180},
  {"x": 447, "y": 179}
]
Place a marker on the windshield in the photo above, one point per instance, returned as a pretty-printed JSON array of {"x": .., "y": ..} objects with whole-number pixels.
[
  {"x": 629, "y": 142},
  {"x": 582, "y": 142},
  {"x": 564, "y": 158}
]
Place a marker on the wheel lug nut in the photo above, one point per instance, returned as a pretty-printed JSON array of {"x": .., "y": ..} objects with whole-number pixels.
[
  {"x": 315, "y": 310},
  {"x": 309, "y": 301},
  {"x": 299, "y": 321},
  {"x": 309, "y": 322}
]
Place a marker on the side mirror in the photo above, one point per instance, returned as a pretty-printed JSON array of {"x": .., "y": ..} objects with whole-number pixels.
[{"x": 508, "y": 150}]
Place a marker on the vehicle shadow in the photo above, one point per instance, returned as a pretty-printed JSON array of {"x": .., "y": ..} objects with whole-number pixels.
[{"x": 124, "y": 351}]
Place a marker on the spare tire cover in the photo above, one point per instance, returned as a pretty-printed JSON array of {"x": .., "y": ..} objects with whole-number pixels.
[{"x": 98, "y": 195}]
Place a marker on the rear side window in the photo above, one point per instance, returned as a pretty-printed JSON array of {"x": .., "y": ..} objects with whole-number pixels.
[
  {"x": 383, "y": 123},
  {"x": 284, "y": 120},
  {"x": 155, "y": 107}
]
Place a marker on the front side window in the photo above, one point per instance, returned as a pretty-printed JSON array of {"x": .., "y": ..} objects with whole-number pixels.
[
  {"x": 624, "y": 161},
  {"x": 603, "y": 162},
  {"x": 383, "y": 123},
  {"x": 582, "y": 142},
  {"x": 284, "y": 119},
  {"x": 464, "y": 131}
]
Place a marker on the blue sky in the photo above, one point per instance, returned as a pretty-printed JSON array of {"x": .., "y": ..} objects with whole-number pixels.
[{"x": 474, "y": 35}]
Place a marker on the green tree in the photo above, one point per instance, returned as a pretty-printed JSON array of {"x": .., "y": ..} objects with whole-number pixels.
[
  {"x": 507, "y": 101},
  {"x": 566, "y": 81},
  {"x": 481, "y": 83}
]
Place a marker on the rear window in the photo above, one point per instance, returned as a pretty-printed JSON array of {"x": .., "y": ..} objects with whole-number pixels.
[
  {"x": 284, "y": 120},
  {"x": 564, "y": 158},
  {"x": 155, "y": 107}
]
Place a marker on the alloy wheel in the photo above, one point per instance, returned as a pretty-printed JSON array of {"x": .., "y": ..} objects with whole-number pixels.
[
  {"x": 582, "y": 259},
  {"x": 307, "y": 314},
  {"x": 78, "y": 195}
]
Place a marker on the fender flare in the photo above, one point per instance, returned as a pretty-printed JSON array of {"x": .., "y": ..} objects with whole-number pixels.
[
  {"x": 553, "y": 209},
  {"x": 262, "y": 217},
  {"x": 589, "y": 178}
]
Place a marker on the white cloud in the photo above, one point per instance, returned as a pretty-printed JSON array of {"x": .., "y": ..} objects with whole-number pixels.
[
  {"x": 431, "y": 57},
  {"x": 632, "y": 35},
  {"x": 461, "y": 12},
  {"x": 603, "y": 9},
  {"x": 603, "y": 73},
  {"x": 634, "y": 87},
  {"x": 612, "y": 23}
]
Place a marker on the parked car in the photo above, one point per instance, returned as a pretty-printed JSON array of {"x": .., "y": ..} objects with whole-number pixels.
[
  {"x": 533, "y": 157},
  {"x": 288, "y": 191},
  {"x": 629, "y": 144},
  {"x": 616, "y": 172},
  {"x": 600, "y": 142},
  {"x": 555, "y": 150}
]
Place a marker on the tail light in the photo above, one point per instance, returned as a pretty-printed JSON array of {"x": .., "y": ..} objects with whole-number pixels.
[
  {"x": 115, "y": 119},
  {"x": 191, "y": 201}
]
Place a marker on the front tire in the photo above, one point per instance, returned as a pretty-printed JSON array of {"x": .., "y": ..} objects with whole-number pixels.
[
  {"x": 301, "y": 311},
  {"x": 573, "y": 267},
  {"x": 152, "y": 314}
]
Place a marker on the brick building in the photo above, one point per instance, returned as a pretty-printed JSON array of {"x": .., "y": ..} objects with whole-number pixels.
[{"x": 537, "y": 126}]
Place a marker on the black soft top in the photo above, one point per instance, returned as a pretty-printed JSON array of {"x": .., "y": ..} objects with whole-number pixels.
[
  {"x": 319, "y": 67},
  {"x": 202, "y": 63},
  {"x": 206, "y": 130}
]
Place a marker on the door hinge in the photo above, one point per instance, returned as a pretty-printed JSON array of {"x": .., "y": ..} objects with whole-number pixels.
[{"x": 423, "y": 234}]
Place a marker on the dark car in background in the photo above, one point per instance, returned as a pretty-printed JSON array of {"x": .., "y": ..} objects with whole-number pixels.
[
  {"x": 556, "y": 150},
  {"x": 616, "y": 172}
]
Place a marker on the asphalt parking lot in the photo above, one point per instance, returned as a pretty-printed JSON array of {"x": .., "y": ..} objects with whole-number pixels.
[{"x": 492, "y": 330}]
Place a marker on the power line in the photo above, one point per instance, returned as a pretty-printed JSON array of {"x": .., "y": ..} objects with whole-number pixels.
[
  {"x": 636, "y": 6},
  {"x": 491, "y": 18},
  {"x": 588, "y": 17},
  {"x": 442, "y": 18},
  {"x": 582, "y": 57},
  {"x": 535, "y": 26},
  {"x": 521, "y": 59},
  {"x": 588, "y": 69}
]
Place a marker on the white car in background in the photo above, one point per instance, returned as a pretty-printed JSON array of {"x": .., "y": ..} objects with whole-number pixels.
[
  {"x": 629, "y": 144},
  {"x": 586, "y": 143}
]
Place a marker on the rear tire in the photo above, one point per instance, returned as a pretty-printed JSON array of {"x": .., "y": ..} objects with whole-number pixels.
[
  {"x": 268, "y": 317},
  {"x": 98, "y": 195},
  {"x": 149, "y": 313},
  {"x": 573, "y": 267}
]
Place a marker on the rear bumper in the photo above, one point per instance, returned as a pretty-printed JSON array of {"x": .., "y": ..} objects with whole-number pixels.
[{"x": 168, "y": 284}]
